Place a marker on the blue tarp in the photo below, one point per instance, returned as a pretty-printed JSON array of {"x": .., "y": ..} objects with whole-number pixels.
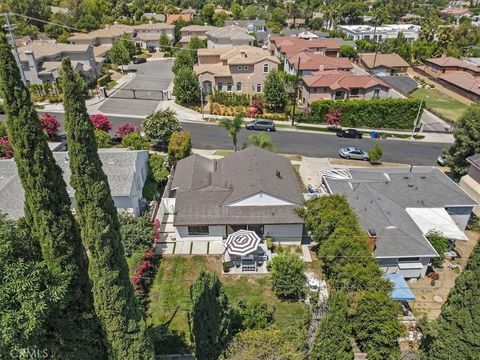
[{"x": 401, "y": 291}]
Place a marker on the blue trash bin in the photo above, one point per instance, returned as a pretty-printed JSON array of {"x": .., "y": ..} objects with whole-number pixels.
[{"x": 374, "y": 134}]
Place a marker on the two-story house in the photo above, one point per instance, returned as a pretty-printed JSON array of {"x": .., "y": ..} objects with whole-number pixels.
[
  {"x": 379, "y": 33},
  {"x": 240, "y": 69},
  {"x": 258, "y": 28},
  {"x": 306, "y": 62},
  {"x": 190, "y": 31},
  {"x": 228, "y": 36},
  {"x": 288, "y": 46}
]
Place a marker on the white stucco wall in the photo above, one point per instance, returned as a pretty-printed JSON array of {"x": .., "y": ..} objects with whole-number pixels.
[{"x": 390, "y": 266}]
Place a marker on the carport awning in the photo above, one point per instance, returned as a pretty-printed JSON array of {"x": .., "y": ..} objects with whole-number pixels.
[
  {"x": 401, "y": 291},
  {"x": 436, "y": 219}
]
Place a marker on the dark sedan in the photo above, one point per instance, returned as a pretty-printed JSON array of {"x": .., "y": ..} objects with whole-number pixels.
[
  {"x": 139, "y": 60},
  {"x": 350, "y": 133}
]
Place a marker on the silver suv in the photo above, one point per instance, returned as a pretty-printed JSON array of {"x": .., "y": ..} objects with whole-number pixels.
[{"x": 267, "y": 125}]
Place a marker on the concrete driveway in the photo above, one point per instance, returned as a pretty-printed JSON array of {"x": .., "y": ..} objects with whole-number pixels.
[{"x": 141, "y": 95}]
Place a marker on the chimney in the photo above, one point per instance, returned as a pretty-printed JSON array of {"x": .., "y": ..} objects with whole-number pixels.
[
  {"x": 372, "y": 239},
  {"x": 243, "y": 53},
  {"x": 321, "y": 68}
]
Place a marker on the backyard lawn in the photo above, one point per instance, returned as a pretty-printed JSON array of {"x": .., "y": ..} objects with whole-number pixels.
[
  {"x": 440, "y": 103},
  {"x": 170, "y": 301}
]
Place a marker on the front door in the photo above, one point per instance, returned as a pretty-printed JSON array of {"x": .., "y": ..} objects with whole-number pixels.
[{"x": 207, "y": 88}]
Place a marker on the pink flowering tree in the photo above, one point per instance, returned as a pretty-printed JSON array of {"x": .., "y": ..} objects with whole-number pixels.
[
  {"x": 255, "y": 109},
  {"x": 125, "y": 129},
  {"x": 6, "y": 150},
  {"x": 101, "y": 122},
  {"x": 334, "y": 117},
  {"x": 49, "y": 125}
]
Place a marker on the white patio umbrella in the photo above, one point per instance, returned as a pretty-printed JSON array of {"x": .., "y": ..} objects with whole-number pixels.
[{"x": 242, "y": 242}]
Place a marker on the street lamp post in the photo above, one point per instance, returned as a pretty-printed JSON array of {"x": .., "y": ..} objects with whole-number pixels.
[{"x": 201, "y": 96}]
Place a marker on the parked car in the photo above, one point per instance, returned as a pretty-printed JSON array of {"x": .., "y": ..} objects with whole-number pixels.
[
  {"x": 267, "y": 125},
  {"x": 353, "y": 153},
  {"x": 139, "y": 60},
  {"x": 151, "y": 49},
  {"x": 442, "y": 160},
  {"x": 350, "y": 133}
]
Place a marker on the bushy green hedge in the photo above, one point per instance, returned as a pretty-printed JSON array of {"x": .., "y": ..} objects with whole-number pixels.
[
  {"x": 232, "y": 99},
  {"x": 104, "y": 80},
  {"x": 375, "y": 114}
]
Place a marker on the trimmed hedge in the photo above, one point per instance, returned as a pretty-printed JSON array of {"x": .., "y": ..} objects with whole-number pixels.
[
  {"x": 375, "y": 114},
  {"x": 104, "y": 80},
  {"x": 233, "y": 99}
]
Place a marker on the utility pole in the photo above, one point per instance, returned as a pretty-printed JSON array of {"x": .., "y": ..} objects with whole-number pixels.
[
  {"x": 201, "y": 97},
  {"x": 296, "y": 92},
  {"x": 415, "y": 122},
  {"x": 9, "y": 28}
]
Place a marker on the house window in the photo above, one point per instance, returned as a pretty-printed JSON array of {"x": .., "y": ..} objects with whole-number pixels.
[
  {"x": 338, "y": 94},
  {"x": 409, "y": 259},
  {"x": 229, "y": 87},
  {"x": 219, "y": 86},
  {"x": 265, "y": 68},
  {"x": 354, "y": 92},
  {"x": 376, "y": 93},
  {"x": 239, "y": 86},
  {"x": 198, "y": 230},
  {"x": 259, "y": 88}
]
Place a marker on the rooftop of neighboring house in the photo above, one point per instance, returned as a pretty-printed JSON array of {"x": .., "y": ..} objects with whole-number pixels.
[
  {"x": 158, "y": 26},
  {"x": 340, "y": 80},
  {"x": 409, "y": 16},
  {"x": 455, "y": 11},
  {"x": 107, "y": 32},
  {"x": 197, "y": 28},
  {"x": 230, "y": 32},
  {"x": 186, "y": 39},
  {"x": 101, "y": 50},
  {"x": 399, "y": 205},
  {"x": 380, "y": 29},
  {"x": 463, "y": 80},
  {"x": 155, "y": 16},
  {"x": 208, "y": 190},
  {"x": 383, "y": 60},
  {"x": 448, "y": 61},
  {"x": 189, "y": 11},
  {"x": 119, "y": 166},
  {"x": 474, "y": 160},
  {"x": 309, "y": 60},
  {"x": 293, "y": 43},
  {"x": 42, "y": 49},
  {"x": 171, "y": 18},
  {"x": 299, "y": 32},
  {"x": 245, "y": 23}
]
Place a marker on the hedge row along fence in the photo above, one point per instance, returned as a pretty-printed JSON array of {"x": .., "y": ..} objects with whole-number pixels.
[
  {"x": 375, "y": 114},
  {"x": 233, "y": 99}
]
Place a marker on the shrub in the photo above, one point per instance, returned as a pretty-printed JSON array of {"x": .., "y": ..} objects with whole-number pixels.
[
  {"x": 6, "y": 150},
  {"x": 137, "y": 232},
  {"x": 269, "y": 242},
  {"x": 135, "y": 141},
  {"x": 101, "y": 122},
  {"x": 103, "y": 139},
  {"x": 287, "y": 275},
  {"x": 179, "y": 146},
  {"x": 125, "y": 129},
  {"x": 49, "y": 125},
  {"x": 254, "y": 313},
  {"x": 375, "y": 154},
  {"x": 226, "y": 266},
  {"x": 104, "y": 80},
  {"x": 334, "y": 117},
  {"x": 375, "y": 114},
  {"x": 440, "y": 244},
  {"x": 158, "y": 169}
]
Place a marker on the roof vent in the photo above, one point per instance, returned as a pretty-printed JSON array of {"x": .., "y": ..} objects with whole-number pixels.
[
  {"x": 278, "y": 175},
  {"x": 410, "y": 185},
  {"x": 423, "y": 177},
  {"x": 406, "y": 177}
]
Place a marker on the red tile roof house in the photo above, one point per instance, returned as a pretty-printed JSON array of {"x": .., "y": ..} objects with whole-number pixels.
[
  {"x": 306, "y": 62},
  {"x": 284, "y": 46},
  {"x": 456, "y": 13},
  {"x": 174, "y": 17},
  {"x": 337, "y": 85}
]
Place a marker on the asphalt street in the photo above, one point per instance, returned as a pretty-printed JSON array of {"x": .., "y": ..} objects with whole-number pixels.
[
  {"x": 141, "y": 95},
  {"x": 208, "y": 136}
]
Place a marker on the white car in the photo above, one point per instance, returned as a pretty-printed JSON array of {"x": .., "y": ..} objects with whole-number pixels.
[
  {"x": 442, "y": 160},
  {"x": 353, "y": 153}
]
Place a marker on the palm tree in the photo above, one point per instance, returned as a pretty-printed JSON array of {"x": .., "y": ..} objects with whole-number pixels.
[{"x": 233, "y": 127}]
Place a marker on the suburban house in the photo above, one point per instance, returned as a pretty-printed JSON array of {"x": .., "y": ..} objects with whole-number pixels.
[
  {"x": 41, "y": 60},
  {"x": 256, "y": 27},
  {"x": 228, "y": 36},
  {"x": 379, "y": 33},
  {"x": 251, "y": 189},
  {"x": 171, "y": 18},
  {"x": 126, "y": 172},
  {"x": 408, "y": 18},
  {"x": 470, "y": 183},
  {"x": 288, "y": 46},
  {"x": 190, "y": 31},
  {"x": 447, "y": 64},
  {"x": 148, "y": 35},
  {"x": 398, "y": 207},
  {"x": 154, "y": 17},
  {"x": 341, "y": 85},
  {"x": 384, "y": 64},
  {"x": 456, "y": 13},
  {"x": 105, "y": 36},
  {"x": 240, "y": 69},
  {"x": 307, "y": 62},
  {"x": 304, "y": 33},
  {"x": 192, "y": 12}
]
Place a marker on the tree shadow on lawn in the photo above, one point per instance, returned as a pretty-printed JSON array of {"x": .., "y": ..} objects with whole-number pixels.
[{"x": 166, "y": 341}]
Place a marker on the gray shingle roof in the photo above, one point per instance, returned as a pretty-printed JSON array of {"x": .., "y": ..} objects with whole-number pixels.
[
  {"x": 474, "y": 160},
  {"x": 118, "y": 165},
  {"x": 206, "y": 187},
  {"x": 380, "y": 197}
]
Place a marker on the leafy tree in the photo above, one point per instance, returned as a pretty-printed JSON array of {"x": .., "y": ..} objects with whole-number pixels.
[
  {"x": 210, "y": 318},
  {"x": 467, "y": 140},
  {"x": 207, "y": 13},
  {"x": 397, "y": 8},
  {"x": 101, "y": 122},
  {"x": 184, "y": 59},
  {"x": 251, "y": 12},
  {"x": 275, "y": 94},
  {"x": 158, "y": 169},
  {"x": 348, "y": 51},
  {"x": 137, "y": 232},
  {"x": 186, "y": 87},
  {"x": 196, "y": 43},
  {"x": 376, "y": 326},
  {"x": 333, "y": 341},
  {"x": 364, "y": 45},
  {"x": 72, "y": 326},
  {"x": 263, "y": 141},
  {"x": 237, "y": 11},
  {"x": 164, "y": 43},
  {"x": 178, "y": 24},
  {"x": 119, "y": 54},
  {"x": 254, "y": 313},
  {"x": 454, "y": 334},
  {"x": 219, "y": 19},
  {"x": 233, "y": 127},
  {"x": 129, "y": 44},
  {"x": 439, "y": 243},
  {"x": 102, "y": 139},
  {"x": 288, "y": 275},
  {"x": 375, "y": 154},
  {"x": 119, "y": 312},
  {"x": 262, "y": 344},
  {"x": 135, "y": 141},
  {"x": 160, "y": 125},
  {"x": 49, "y": 125},
  {"x": 422, "y": 49},
  {"x": 179, "y": 145}
]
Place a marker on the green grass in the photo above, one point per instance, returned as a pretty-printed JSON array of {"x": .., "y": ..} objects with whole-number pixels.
[
  {"x": 111, "y": 84},
  {"x": 170, "y": 291},
  {"x": 150, "y": 189},
  {"x": 440, "y": 103}
]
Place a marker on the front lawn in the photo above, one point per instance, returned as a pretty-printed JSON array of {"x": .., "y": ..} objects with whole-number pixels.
[
  {"x": 170, "y": 300},
  {"x": 440, "y": 103}
]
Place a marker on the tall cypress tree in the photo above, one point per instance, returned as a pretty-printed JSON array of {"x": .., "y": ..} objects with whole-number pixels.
[
  {"x": 73, "y": 330},
  {"x": 114, "y": 298}
]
